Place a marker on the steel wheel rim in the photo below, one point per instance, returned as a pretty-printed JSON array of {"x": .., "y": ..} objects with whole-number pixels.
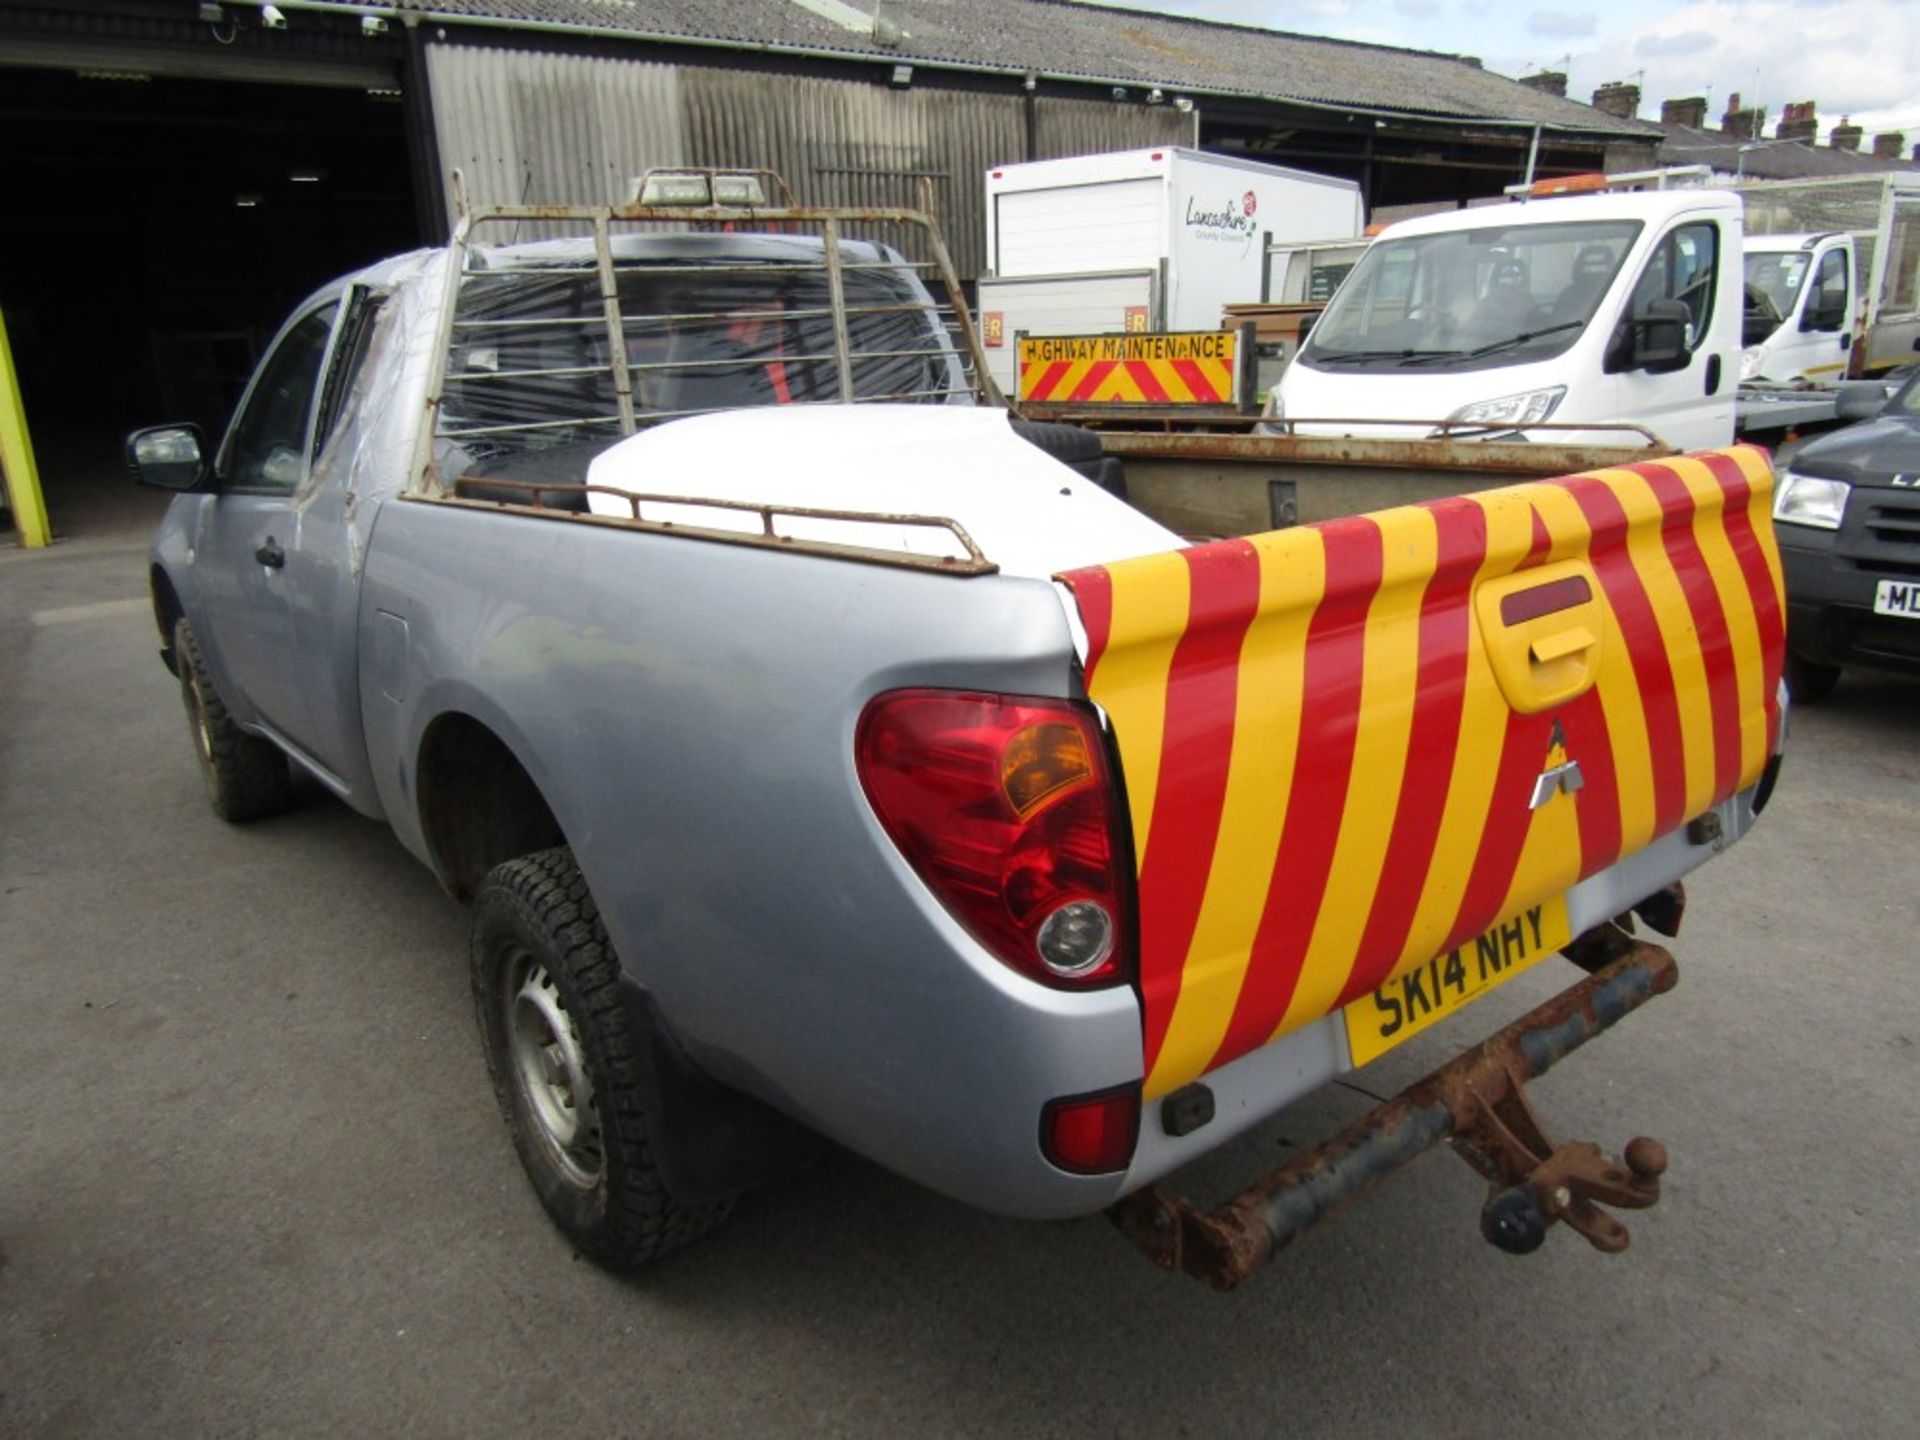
[
  {"x": 197, "y": 723},
  {"x": 550, "y": 1071}
]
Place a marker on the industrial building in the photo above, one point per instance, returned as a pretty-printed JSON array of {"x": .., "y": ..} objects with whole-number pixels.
[{"x": 180, "y": 173}]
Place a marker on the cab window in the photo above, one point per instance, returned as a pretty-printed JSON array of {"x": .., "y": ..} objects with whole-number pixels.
[
  {"x": 1682, "y": 267},
  {"x": 267, "y": 448}
]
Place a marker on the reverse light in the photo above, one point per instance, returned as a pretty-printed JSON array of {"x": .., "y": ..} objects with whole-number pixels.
[
  {"x": 1003, "y": 806},
  {"x": 1092, "y": 1134},
  {"x": 1810, "y": 500},
  {"x": 1529, "y": 407}
]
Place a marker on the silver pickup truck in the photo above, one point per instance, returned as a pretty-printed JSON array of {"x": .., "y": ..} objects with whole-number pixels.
[{"x": 826, "y": 751}]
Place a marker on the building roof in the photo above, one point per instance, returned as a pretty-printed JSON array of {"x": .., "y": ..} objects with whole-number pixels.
[
  {"x": 1767, "y": 159},
  {"x": 1076, "y": 41}
]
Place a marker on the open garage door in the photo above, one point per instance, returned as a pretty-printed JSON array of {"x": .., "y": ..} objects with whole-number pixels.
[{"x": 159, "y": 229}]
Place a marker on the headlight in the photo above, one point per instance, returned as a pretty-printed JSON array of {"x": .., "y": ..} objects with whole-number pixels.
[
  {"x": 1528, "y": 408},
  {"x": 1750, "y": 363},
  {"x": 1810, "y": 500}
]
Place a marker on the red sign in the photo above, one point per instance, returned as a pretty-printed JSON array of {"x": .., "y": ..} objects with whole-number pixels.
[{"x": 993, "y": 328}]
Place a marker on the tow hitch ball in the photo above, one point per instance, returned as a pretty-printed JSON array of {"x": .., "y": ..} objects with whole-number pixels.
[{"x": 1533, "y": 1184}]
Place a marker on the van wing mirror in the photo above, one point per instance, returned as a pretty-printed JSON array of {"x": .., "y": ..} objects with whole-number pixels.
[
  {"x": 1860, "y": 399},
  {"x": 1825, "y": 312},
  {"x": 1655, "y": 339},
  {"x": 168, "y": 457}
]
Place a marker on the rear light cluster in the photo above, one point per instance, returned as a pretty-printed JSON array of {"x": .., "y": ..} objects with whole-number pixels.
[{"x": 1004, "y": 807}]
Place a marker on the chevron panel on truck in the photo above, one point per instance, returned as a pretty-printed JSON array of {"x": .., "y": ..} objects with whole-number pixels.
[{"x": 1334, "y": 737}]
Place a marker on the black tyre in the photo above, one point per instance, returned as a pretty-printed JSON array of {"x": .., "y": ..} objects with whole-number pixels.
[
  {"x": 1808, "y": 681},
  {"x": 568, "y": 1064},
  {"x": 247, "y": 777}
]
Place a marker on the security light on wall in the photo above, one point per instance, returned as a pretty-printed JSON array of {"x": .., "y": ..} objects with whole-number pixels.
[
  {"x": 902, "y": 76},
  {"x": 371, "y": 25},
  {"x": 273, "y": 17},
  {"x": 1156, "y": 96}
]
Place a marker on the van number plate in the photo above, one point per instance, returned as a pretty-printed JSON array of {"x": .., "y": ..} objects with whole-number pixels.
[
  {"x": 1898, "y": 597},
  {"x": 1427, "y": 994}
]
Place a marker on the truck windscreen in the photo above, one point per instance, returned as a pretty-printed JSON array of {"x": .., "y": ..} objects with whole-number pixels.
[
  {"x": 1773, "y": 280},
  {"x": 1471, "y": 299}
]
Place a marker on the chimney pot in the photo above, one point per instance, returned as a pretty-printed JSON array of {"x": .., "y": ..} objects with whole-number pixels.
[
  {"x": 1798, "y": 122},
  {"x": 1618, "y": 99},
  {"x": 1690, "y": 111}
]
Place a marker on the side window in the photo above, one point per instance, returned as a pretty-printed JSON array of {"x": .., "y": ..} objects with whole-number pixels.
[
  {"x": 267, "y": 447},
  {"x": 349, "y": 355},
  {"x": 1827, "y": 306},
  {"x": 1682, "y": 267}
]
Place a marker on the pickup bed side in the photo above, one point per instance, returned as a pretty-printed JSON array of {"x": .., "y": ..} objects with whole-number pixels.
[{"x": 708, "y": 790}]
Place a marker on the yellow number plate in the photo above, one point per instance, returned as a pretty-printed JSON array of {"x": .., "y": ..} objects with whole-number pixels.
[{"x": 1427, "y": 994}]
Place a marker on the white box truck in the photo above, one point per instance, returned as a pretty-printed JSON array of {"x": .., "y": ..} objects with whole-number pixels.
[{"x": 1157, "y": 239}]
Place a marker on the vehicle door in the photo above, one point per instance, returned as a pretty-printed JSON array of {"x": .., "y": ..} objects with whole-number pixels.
[
  {"x": 1823, "y": 333},
  {"x": 246, "y": 530},
  {"x": 1686, "y": 400}
]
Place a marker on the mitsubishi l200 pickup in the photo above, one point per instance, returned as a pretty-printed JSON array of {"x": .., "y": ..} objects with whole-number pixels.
[{"x": 824, "y": 751}]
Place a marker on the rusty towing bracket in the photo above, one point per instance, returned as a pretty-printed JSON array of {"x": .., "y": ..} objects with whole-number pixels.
[{"x": 1478, "y": 1101}]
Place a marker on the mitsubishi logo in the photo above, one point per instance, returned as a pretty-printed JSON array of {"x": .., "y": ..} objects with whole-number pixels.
[{"x": 1562, "y": 776}]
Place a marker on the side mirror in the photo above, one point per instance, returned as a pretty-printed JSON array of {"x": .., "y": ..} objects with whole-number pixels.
[
  {"x": 1825, "y": 312},
  {"x": 1655, "y": 339},
  {"x": 167, "y": 457},
  {"x": 1860, "y": 400}
]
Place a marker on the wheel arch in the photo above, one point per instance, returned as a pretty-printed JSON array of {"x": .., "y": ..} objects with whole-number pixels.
[{"x": 477, "y": 802}]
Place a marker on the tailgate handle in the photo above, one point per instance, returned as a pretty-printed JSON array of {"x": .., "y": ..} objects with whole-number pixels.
[
  {"x": 1549, "y": 648},
  {"x": 1542, "y": 629}
]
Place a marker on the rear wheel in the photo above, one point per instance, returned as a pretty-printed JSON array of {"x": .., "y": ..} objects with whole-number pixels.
[
  {"x": 1808, "y": 681},
  {"x": 247, "y": 777},
  {"x": 569, "y": 1065}
]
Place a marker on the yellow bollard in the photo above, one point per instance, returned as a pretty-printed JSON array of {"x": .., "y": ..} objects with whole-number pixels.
[{"x": 17, "y": 469}]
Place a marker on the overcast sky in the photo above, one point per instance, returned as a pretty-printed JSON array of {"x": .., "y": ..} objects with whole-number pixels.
[{"x": 1854, "y": 57}]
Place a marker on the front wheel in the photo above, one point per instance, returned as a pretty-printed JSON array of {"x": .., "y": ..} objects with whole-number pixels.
[
  {"x": 247, "y": 777},
  {"x": 569, "y": 1066}
]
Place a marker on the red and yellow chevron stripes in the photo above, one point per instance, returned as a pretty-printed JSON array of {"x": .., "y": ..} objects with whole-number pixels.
[
  {"x": 1156, "y": 369},
  {"x": 1331, "y": 749}
]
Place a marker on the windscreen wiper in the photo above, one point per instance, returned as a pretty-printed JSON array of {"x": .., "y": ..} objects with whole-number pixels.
[
  {"x": 1401, "y": 356},
  {"x": 1498, "y": 345}
]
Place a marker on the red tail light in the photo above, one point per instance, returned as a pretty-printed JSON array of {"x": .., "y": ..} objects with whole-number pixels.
[
  {"x": 1092, "y": 1134},
  {"x": 1004, "y": 807}
]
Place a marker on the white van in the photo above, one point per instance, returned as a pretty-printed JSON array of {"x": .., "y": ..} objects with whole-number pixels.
[
  {"x": 1593, "y": 308},
  {"x": 1799, "y": 324}
]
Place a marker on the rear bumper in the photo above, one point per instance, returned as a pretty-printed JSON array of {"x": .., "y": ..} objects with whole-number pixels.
[
  {"x": 1830, "y": 617},
  {"x": 1258, "y": 1084},
  {"x": 1478, "y": 1101}
]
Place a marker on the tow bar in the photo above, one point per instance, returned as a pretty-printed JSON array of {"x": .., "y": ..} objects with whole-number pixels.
[{"x": 1479, "y": 1102}]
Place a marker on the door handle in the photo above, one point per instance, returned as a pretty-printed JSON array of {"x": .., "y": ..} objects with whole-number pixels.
[
  {"x": 270, "y": 554},
  {"x": 1713, "y": 375}
]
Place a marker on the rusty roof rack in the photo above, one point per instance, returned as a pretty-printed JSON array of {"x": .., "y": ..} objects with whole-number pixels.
[{"x": 956, "y": 364}]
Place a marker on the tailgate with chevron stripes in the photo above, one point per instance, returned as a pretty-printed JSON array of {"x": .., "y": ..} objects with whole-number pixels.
[{"x": 1352, "y": 746}]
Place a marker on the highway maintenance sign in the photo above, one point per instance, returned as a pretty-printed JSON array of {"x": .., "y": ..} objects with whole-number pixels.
[{"x": 1199, "y": 367}]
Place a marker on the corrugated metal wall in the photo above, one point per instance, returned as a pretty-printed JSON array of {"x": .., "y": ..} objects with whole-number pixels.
[
  {"x": 540, "y": 127},
  {"x": 535, "y": 128}
]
